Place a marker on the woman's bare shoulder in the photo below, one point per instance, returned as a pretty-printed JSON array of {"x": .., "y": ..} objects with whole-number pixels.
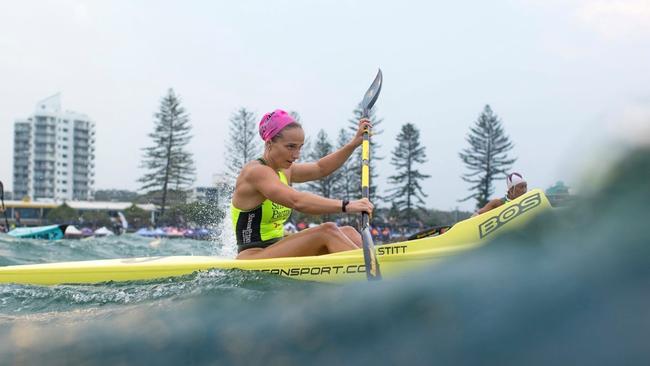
[
  {"x": 256, "y": 171},
  {"x": 250, "y": 167}
]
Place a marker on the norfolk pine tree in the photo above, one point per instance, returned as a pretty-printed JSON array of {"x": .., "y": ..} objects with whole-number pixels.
[
  {"x": 167, "y": 160},
  {"x": 244, "y": 142},
  {"x": 406, "y": 192},
  {"x": 487, "y": 156},
  {"x": 322, "y": 147},
  {"x": 325, "y": 186},
  {"x": 346, "y": 185}
]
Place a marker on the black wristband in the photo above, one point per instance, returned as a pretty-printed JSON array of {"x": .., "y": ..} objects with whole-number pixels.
[{"x": 344, "y": 203}]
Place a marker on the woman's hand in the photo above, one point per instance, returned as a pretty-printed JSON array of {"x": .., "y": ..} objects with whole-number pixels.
[
  {"x": 362, "y": 205},
  {"x": 364, "y": 123}
]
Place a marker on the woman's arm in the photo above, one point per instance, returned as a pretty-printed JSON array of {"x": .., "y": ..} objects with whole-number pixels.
[
  {"x": 305, "y": 172},
  {"x": 266, "y": 181},
  {"x": 490, "y": 206}
]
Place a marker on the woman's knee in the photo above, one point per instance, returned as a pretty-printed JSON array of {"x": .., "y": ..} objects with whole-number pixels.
[{"x": 329, "y": 228}]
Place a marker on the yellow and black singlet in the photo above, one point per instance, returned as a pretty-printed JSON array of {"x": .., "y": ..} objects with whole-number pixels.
[{"x": 262, "y": 225}]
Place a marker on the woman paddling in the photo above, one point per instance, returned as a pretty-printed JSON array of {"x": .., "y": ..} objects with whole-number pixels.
[
  {"x": 516, "y": 185},
  {"x": 263, "y": 196}
]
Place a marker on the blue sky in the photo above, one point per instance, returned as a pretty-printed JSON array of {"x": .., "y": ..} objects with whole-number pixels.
[{"x": 569, "y": 79}]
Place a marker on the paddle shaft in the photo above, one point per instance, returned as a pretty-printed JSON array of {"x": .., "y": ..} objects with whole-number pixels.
[
  {"x": 369, "y": 254},
  {"x": 365, "y": 175}
]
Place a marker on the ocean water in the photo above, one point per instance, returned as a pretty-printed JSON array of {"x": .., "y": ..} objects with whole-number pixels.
[{"x": 572, "y": 288}]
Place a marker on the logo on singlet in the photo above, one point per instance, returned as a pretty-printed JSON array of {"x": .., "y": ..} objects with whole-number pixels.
[
  {"x": 279, "y": 212},
  {"x": 248, "y": 232}
]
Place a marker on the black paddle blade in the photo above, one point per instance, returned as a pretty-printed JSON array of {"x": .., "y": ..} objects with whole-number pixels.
[
  {"x": 372, "y": 94},
  {"x": 369, "y": 256}
]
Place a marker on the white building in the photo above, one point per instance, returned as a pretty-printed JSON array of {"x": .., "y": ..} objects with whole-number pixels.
[{"x": 54, "y": 154}]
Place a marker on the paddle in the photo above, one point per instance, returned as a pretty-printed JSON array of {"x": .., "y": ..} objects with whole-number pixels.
[{"x": 369, "y": 254}]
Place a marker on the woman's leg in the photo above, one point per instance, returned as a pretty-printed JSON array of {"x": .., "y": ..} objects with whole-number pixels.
[
  {"x": 323, "y": 239},
  {"x": 353, "y": 235}
]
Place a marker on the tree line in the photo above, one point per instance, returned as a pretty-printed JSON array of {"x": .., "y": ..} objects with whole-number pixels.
[{"x": 170, "y": 166}]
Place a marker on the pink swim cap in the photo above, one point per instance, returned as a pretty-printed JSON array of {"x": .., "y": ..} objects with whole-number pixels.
[{"x": 272, "y": 123}]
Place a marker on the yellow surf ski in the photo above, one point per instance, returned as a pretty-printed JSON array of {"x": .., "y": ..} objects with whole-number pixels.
[{"x": 394, "y": 258}]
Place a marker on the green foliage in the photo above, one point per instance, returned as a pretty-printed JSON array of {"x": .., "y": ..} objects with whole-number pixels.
[
  {"x": 406, "y": 193},
  {"x": 487, "y": 156},
  {"x": 137, "y": 217},
  {"x": 173, "y": 216},
  {"x": 321, "y": 148},
  {"x": 347, "y": 183},
  {"x": 558, "y": 195},
  {"x": 243, "y": 144},
  {"x": 62, "y": 214},
  {"x": 325, "y": 186},
  {"x": 169, "y": 164}
]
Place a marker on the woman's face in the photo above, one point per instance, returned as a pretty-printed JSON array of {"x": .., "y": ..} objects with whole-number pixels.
[
  {"x": 518, "y": 190},
  {"x": 285, "y": 150}
]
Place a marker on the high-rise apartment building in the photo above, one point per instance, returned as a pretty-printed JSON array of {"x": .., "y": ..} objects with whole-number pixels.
[{"x": 54, "y": 154}]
